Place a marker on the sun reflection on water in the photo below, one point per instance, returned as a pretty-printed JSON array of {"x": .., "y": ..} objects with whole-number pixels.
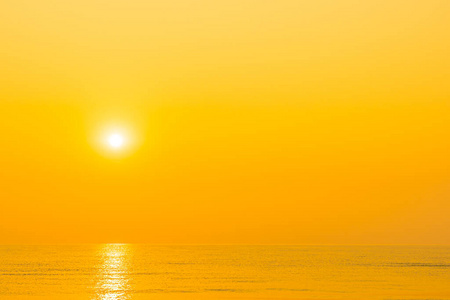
[{"x": 113, "y": 277}]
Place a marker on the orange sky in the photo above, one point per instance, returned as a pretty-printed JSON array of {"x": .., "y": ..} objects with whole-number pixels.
[{"x": 292, "y": 122}]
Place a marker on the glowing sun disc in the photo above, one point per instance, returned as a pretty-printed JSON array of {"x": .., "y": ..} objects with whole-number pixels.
[{"x": 116, "y": 140}]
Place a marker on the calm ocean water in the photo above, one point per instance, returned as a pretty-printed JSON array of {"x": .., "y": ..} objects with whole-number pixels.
[{"x": 125, "y": 272}]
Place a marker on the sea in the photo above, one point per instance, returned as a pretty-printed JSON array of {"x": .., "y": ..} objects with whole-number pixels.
[{"x": 138, "y": 271}]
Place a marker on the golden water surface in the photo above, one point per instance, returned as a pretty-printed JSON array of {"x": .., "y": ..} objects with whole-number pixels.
[{"x": 126, "y": 272}]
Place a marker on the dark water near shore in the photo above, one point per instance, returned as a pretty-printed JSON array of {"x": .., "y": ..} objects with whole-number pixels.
[{"x": 125, "y": 272}]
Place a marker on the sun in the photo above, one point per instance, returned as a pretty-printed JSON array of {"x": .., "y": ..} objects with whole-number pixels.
[{"x": 116, "y": 140}]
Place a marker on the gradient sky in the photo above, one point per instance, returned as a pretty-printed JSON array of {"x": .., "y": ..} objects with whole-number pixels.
[{"x": 287, "y": 122}]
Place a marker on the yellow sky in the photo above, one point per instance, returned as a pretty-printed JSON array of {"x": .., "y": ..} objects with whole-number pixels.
[{"x": 247, "y": 121}]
